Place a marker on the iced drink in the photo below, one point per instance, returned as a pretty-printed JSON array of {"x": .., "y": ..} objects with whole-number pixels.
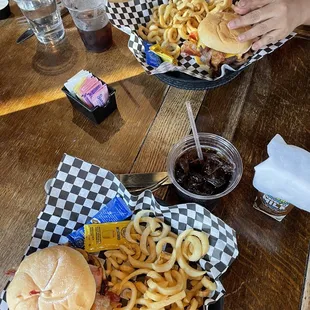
[
  {"x": 97, "y": 40},
  {"x": 204, "y": 181},
  {"x": 92, "y": 23},
  {"x": 209, "y": 176}
]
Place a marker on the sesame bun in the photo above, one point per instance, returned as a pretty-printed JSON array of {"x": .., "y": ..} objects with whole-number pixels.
[
  {"x": 215, "y": 34},
  {"x": 54, "y": 278}
]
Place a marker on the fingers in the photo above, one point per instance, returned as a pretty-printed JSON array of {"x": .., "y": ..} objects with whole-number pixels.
[
  {"x": 252, "y": 18},
  {"x": 268, "y": 38},
  {"x": 240, "y": 11},
  {"x": 245, "y": 6},
  {"x": 257, "y": 31}
]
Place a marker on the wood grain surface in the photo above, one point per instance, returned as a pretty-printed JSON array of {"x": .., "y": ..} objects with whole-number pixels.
[
  {"x": 33, "y": 141},
  {"x": 170, "y": 125},
  {"x": 303, "y": 32},
  {"x": 268, "y": 98},
  {"x": 38, "y": 125},
  {"x": 35, "y": 72}
]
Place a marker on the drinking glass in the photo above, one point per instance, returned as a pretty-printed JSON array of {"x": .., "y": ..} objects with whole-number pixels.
[
  {"x": 44, "y": 19},
  {"x": 92, "y": 22},
  {"x": 207, "y": 141}
]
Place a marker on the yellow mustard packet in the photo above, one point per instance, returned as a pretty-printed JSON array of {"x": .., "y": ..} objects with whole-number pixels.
[
  {"x": 107, "y": 236},
  {"x": 161, "y": 53}
]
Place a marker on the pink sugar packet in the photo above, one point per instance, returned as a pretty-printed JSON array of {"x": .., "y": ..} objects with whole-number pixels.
[
  {"x": 88, "y": 84},
  {"x": 101, "y": 96},
  {"x": 87, "y": 97},
  {"x": 98, "y": 97},
  {"x": 89, "y": 88}
]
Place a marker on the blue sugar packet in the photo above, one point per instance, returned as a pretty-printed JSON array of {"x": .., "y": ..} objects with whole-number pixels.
[
  {"x": 115, "y": 211},
  {"x": 151, "y": 58}
]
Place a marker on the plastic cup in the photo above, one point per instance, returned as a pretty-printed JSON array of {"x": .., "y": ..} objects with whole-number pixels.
[
  {"x": 92, "y": 22},
  {"x": 207, "y": 141}
]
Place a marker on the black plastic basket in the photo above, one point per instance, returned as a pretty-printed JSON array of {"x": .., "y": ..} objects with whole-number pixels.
[
  {"x": 185, "y": 81},
  {"x": 95, "y": 114}
]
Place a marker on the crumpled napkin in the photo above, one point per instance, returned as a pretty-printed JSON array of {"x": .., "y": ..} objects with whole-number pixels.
[{"x": 285, "y": 174}]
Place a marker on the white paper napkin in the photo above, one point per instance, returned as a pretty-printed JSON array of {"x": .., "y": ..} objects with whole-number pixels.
[{"x": 285, "y": 174}]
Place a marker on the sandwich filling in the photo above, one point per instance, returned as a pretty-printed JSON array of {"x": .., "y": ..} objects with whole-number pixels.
[{"x": 209, "y": 58}]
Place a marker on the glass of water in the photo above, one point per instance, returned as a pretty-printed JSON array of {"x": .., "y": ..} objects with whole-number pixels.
[{"x": 44, "y": 19}]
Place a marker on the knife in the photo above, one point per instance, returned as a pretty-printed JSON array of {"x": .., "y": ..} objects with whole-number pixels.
[
  {"x": 25, "y": 36},
  {"x": 132, "y": 180},
  {"x": 135, "y": 180}
]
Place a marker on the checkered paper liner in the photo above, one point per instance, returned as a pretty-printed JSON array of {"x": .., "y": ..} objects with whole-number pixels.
[
  {"x": 128, "y": 16},
  {"x": 79, "y": 190}
]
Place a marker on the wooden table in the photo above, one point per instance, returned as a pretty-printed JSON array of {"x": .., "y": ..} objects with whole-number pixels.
[{"x": 37, "y": 126}]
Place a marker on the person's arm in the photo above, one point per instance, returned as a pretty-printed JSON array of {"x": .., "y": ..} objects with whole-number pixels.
[{"x": 272, "y": 20}]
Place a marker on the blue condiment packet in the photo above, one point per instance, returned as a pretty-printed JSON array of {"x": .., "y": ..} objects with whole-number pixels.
[
  {"x": 115, "y": 211},
  {"x": 151, "y": 58}
]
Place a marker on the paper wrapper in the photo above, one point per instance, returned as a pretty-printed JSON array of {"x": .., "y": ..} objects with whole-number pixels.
[
  {"x": 79, "y": 190},
  {"x": 128, "y": 16}
]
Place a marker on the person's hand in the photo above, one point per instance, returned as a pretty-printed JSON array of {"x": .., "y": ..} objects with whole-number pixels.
[{"x": 271, "y": 20}]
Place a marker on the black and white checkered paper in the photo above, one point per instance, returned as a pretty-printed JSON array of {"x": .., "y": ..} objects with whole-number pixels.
[
  {"x": 128, "y": 16},
  {"x": 79, "y": 190}
]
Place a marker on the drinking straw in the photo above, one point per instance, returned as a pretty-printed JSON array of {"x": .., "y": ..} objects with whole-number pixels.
[{"x": 194, "y": 129}]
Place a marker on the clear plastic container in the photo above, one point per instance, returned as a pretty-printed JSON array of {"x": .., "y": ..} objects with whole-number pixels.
[
  {"x": 210, "y": 141},
  {"x": 92, "y": 23}
]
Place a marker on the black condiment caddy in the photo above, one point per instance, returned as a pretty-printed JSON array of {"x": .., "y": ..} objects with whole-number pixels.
[{"x": 95, "y": 114}]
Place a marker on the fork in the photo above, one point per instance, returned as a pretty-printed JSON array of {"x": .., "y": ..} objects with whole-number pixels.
[
  {"x": 22, "y": 21},
  {"x": 152, "y": 188}
]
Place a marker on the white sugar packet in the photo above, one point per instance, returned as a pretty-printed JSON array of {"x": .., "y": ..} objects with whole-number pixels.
[{"x": 285, "y": 174}]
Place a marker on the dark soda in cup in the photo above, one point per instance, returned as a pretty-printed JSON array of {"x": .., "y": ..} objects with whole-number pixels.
[
  {"x": 92, "y": 22},
  {"x": 97, "y": 40}
]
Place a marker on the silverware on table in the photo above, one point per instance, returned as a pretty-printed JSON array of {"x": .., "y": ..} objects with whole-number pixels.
[
  {"x": 141, "y": 180},
  {"x": 25, "y": 36},
  {"x": 151, "y": 188},
  {"x": 136, "y": 182},
  {"x": 21, "y": 21}
]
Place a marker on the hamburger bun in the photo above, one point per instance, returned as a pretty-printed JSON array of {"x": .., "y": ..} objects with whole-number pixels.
[
  {"x": 54, "y": 278},
  {"x": 215, "y": 34}
]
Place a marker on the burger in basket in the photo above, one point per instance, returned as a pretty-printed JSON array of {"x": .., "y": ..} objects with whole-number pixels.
[
  {"x": 196, "y": 28},
  {"x": 214, "y": 44},
  {"x": 140, "y": 272},
  {"x": 60, "y": 277}
]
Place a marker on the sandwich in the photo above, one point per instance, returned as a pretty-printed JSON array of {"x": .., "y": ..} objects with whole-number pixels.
[
  {"x": 60, "y": 277},
  {"x": 214, "y": 44}
]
